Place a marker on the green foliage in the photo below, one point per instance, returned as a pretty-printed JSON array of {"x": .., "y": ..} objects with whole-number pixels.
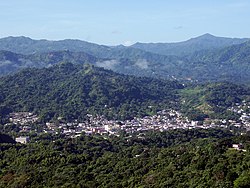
[
  {"x": 71, "y": 91},
  {"x": 203, "y": 59},
  {"x": 212, "y": 100},
  {"x": 190, "y": 158},
  {"x": 11, "y": 62},
  {"x": 243, "y": 181},
  {"x": 227, "y": 64}
]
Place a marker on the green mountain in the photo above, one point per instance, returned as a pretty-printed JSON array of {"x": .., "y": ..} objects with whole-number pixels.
[
  {"x": 25, "y": 45},
  {"x": 129, "y": 60},
  {"x": 204, "y": 42},
  {"x": 228, "y": 64},
  {"x": 72, "y": 91},
  {"x": 212, "y": 100},
  {"x": 11, "y": 62},
  {"x": 211, "y": 64}
]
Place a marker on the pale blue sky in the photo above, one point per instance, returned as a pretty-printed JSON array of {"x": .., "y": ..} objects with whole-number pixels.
[{"x": 113, "y": 22}]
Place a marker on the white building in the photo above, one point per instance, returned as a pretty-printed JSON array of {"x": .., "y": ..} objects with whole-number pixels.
[{"x": 23, "y": 139}]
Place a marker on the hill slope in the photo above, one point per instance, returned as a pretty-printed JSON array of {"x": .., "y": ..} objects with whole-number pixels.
[
  {"x": 11, "y": 62},
  {"x": 71, "y": 91},
  {"x": 25, "y": 45},
  {"x": 122, "y": 60},
  {"x": 213, "y": 100},
  {"x": 204, "y": 42},
  {"x": 224, "y": 64},
  {"x": 228, "y": 64}
]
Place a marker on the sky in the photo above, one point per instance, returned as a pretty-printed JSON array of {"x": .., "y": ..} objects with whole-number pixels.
[{"x": 114, "y": 22}]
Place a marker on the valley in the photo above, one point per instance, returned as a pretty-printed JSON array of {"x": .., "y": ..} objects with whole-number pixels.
[{"x": 78, "y": 114}]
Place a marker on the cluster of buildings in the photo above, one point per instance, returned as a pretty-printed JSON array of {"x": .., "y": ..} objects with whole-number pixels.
[
  {"x": 99, "y": 124},
  {"x": 243, "y": 109},
  {"x": 22, "y": 118},
  {"x": 163, "y": 120}
]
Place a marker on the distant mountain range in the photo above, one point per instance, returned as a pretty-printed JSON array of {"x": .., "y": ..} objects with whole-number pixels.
[
  {"x": 201, "y": 59},
  {"x": 11, "y": 62},
  {"x": 25, "y": 45},
  {"x": 204, "y": 42}
]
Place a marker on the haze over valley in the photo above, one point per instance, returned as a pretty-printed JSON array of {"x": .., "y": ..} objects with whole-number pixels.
[{"x": 204, "y": 58}]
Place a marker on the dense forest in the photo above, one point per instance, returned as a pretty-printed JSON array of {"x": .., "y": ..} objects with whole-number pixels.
[
  {"x": 71, "y": 91},
  {"x": 212, "y": 100},
  {"x": 177, "y": 158}
]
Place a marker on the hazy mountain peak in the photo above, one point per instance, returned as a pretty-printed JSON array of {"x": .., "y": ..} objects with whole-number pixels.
[
  {"x": 206, "y": 41},
  {"x": 18, "y": 39},
  {"x": 206, "y": 36}
]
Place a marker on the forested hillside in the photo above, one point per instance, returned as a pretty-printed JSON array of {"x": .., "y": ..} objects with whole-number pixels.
[
  {"x": 207, "y": 58},
  {"x": 72, "y": 91},
  {"x": 178, "y": 158},
  {"x": 228, "y": 64},
  {"x": 26, "y": 45},
  {"x": 212, "y": 100},
  {"x": 11, "y": 62}
]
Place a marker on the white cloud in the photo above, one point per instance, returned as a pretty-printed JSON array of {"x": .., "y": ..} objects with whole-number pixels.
[
  {"x": 142, "y": 63},
  {"x": 108, "y": 64},
  {"x": 5, "y": 63}
]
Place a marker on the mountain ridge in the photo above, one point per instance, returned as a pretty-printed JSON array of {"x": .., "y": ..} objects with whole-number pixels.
[
  {"x": 203, "y": 42},
  {"x": 230, "y": 63},
  {"x": 80, "y": 45},
  {"x": 73, "y": 90}
]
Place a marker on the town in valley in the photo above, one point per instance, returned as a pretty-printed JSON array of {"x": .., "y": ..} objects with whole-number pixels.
[{"x": 164, "y": 120}]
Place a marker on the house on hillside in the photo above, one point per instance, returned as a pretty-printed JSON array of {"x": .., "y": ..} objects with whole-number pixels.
[
  {"x": 23, "y": 139},
  {"x": 239, "y": 147}
]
